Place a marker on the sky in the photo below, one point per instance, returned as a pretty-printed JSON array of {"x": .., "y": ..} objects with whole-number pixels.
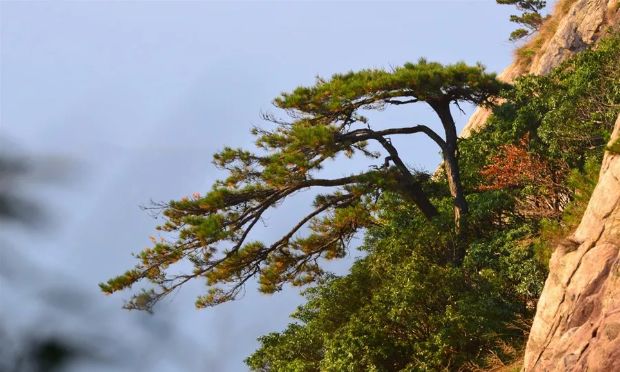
[{"x": 121, "y": 102}]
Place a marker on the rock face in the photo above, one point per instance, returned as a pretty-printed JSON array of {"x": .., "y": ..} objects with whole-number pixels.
[
  {"x": 582, "y": 25},
  {"x": 577, "y": 323}
]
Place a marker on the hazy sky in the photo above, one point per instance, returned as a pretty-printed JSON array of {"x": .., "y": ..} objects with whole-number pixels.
[{"x": 134, "y": 97}]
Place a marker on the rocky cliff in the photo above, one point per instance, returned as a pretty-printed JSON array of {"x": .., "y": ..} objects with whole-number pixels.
[
  {"x": 577, "y": 323},
  {"x": 573, "y": 26}
]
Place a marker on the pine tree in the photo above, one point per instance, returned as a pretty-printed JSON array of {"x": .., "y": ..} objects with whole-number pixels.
[
  {"x": 211, "y": 231},
  {"x": 530, "y": 18}
]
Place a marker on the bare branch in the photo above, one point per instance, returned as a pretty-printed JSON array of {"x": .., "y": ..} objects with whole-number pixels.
[{"x": 366, "y": 134}]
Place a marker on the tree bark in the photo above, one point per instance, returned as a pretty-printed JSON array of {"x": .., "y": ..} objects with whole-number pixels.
[{"x": 451, "y": 165}]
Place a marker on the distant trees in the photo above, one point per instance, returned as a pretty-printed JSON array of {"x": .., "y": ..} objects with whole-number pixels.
[
  {"x": 211, "y": 231},
  {"x": 530, "y": 19}
]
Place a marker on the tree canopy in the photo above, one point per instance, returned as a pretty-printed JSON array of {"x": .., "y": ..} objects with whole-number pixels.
[{"x": 326, "y": 119}]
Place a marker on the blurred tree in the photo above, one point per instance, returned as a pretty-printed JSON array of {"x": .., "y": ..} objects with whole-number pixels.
[
  {"x": 326, "y": 122},
  {"x": 530, "y": 18},
  {"x": 26, "y": 353},
  {"x": 13, "y": 206}
]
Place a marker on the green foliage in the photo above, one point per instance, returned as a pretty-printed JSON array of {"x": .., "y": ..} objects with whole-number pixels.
[
  {"x": 422, "y": 81},
  {"x": 570, "y": 112},
  {"x": 567, "y": 116},
  {"x": 554, "y": 231},
  {"x": 508, "y": 259},
  {"x": 297, "y": 349},
  {"x": 519, "y": 33},
  {"x": 403, "y": 308}
]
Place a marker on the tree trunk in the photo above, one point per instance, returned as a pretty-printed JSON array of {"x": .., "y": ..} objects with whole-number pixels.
[
  {"x": 450, "y": 164},
  {"x": 456, "y": 189}
]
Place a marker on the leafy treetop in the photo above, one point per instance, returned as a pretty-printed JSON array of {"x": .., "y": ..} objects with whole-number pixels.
[{"x": 425, "y": 81}]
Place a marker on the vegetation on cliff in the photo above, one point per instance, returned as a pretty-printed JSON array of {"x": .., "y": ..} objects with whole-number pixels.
[{"x": 404, "y": 306}]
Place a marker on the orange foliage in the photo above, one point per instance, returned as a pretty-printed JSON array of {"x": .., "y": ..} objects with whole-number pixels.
[{"x": 515, "y": 168}]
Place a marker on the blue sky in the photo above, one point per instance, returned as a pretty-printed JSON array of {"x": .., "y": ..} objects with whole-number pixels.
[{"x": 134, "y": 97}]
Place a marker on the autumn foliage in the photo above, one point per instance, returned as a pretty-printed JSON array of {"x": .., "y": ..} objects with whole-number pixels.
[
  {"x": 512, "y": 167},
  {"x": 542, "y": 179}
]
